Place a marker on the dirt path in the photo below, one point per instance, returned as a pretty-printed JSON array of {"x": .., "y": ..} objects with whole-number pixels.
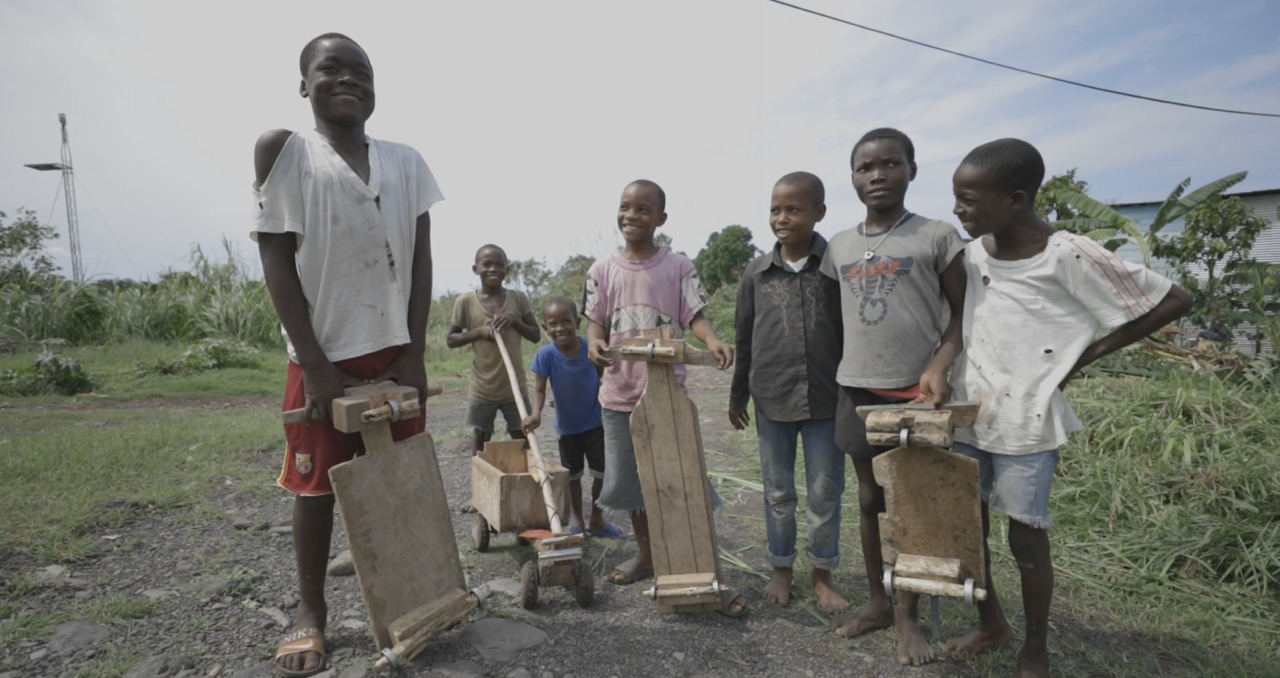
[{"x": 221, "y": 582}]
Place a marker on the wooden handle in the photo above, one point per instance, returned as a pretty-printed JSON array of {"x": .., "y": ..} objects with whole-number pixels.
[
  {"x": 297, "y": 416},
  {"x": 553, "y": 512}
]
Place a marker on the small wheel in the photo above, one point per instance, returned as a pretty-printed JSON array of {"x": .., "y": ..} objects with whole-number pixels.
[
  {"x": 584, "y": 588},
  {"x": 529, "y": 585},
  {"x": 480, "y": 532},
  {"x": 888, "y": 581}
]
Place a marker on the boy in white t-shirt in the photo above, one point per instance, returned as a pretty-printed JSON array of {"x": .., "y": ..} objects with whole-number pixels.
[
  {"x": 344, "y": 234},
  {"x": 1057, "y": 289}
]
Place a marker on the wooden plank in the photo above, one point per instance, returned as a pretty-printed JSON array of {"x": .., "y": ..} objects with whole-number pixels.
[
  {"x": 397, "y": 520},
  {"x": 506, "y": 455},
  {"x": 932, "y": 507},
  {"x": 963, "y": 412},
  {"x": 928, "y": 567},
  {"x": 673, "y": 478},
  {"x": 348, "y": 408}
]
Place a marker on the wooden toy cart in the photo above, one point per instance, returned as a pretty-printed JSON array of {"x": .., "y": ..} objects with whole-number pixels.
[
  {"x": 397, "y": 520},
  {"x": 931, "y": 531}
]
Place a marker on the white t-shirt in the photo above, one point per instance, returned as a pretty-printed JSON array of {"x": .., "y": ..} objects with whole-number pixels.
[
  {"x": 1026, "y": 323},
  {"x": 355, "y": 240}
]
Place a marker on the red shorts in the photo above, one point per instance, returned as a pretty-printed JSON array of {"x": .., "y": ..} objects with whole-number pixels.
[{"x": 312, "y": 449}]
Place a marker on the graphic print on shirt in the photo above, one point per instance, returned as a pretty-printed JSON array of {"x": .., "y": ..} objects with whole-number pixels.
[
  {"x": 873, "y": 281},
  {"x": 779, "y": 292}
]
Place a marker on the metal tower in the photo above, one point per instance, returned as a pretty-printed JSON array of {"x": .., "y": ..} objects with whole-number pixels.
[{"x": 69, "y": 197}]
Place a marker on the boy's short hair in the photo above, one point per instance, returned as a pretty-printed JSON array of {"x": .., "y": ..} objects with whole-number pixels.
[
  {"x": 653, "y": 185},
  {"x": 310, "y": 49},
  {"x": 886, "y": 133},
  {"x": 565, "y": 302},
  {"x": 807, "y": 182},
  {"x": 1012, "y": 164},
  {"x": 491, "y": 246}
]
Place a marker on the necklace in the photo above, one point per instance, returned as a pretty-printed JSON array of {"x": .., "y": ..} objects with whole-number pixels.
[{"x": 871, "y": 250}]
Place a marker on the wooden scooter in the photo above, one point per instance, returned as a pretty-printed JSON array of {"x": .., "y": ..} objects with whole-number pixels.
[
  {"x": 931, "y": 531},
  {"x": 393, "y": 507},
  {"x": 673, "y": 477}
]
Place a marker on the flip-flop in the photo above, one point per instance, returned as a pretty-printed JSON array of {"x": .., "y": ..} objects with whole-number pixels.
[
  {"x": 609, "y": 531},
  {"x": 301, "y": 641},
  {"x": 732, "y": 605},
  {"x": 576, "y": 529},
  {"x": 627, "y": 572}
]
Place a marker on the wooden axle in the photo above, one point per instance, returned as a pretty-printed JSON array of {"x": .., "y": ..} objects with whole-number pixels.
[
  {"x": 413, "y": 631},
  {"x": 369, "y": 404}
]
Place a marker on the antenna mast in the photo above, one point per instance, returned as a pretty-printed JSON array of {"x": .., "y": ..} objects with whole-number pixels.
[{"x": 69, "y": 196}]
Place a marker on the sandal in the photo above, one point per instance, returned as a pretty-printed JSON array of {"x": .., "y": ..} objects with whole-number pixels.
[
  {"x": 629, "y": 572},
  {"x": 301, "y": 641},
  {"x": 732, "y": 605}
]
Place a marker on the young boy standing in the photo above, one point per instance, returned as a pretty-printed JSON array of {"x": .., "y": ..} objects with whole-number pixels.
[
  {"x": 641, "y": 287},
  {"x": 576, "y": 385},
  {"x": 1057, "y": 289},
  {"x": 899, "y": 273},
  {"x": 788, "y": 347},
  {"x": 480, "y": 318},
  {"x": 343, "y": 230}
]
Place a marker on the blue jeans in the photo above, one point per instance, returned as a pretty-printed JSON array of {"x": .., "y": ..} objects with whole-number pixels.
[{"x": 824, "y": 483}]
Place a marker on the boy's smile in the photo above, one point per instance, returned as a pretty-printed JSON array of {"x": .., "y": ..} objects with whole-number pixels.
[
  {"x": 881, "y": 173},
  {"x": 979, "y": 204},
  {"x": 639, "y": 214},
  {"x": 339, "y": 83},
  {"x": 491, "y": 266},
  {"x": 793, "y": 214},
  {"x": 561, "y": 327}
]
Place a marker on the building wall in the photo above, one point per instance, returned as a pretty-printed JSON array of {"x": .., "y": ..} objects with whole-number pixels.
[{"x": 1266, "y": 248}]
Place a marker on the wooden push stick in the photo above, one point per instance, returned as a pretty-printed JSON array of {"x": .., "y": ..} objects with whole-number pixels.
[
  {"x": 297, "y": 416},
  {"x": 539, "y": 469}
]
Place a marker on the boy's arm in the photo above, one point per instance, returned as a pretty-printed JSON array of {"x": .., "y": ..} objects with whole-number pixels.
[
  {"x": 522, "y": 321},
  {"x": 321, "y": 381},
  {"x": 1174, "y": 304},
  {"x": 702, "y": 329},
  {"x": 598, "y": 345},
  {"x": 534, "y": 420},
  {"x": 409, "y": 367},
  {"x": 934, "y": 388},
  {"x": 743, "y": 322},
  {"x": 458, "y": 337}
]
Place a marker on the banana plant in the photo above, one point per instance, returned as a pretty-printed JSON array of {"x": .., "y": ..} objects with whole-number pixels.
[{"x": 1103, "y": 223}]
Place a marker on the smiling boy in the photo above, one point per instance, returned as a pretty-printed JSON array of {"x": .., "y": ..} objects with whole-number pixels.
[
  {"x": 344, "y": 234},
  {"x": 788, "y": 346}
]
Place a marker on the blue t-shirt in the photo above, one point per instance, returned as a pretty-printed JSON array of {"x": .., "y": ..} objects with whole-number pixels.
[{"x": 575, "y": 384}]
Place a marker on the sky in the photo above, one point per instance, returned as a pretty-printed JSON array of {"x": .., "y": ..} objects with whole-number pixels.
[{"x": 534, "y": 115}]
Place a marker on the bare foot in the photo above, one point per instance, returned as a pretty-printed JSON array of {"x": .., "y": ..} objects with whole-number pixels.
[
  {"x": 913, "y": 648},
  {"x": 829, "y": 599},
  {"x": 778, "y": 590},
  {"x": 1033, "y": 661},
  {"x": 865, "y": 620},
  {"x": 977, "y": 641}
]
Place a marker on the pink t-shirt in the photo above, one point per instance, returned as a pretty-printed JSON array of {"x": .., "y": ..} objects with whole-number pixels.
[{"x": 627, "y": 297}]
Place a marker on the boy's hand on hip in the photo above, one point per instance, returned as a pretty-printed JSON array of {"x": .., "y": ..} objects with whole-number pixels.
[
  {"x": 529, "y": 423},
  {"x": 739, "y": 418},
  {"x": 407, "y": 369},
  {"x": 322, "y": 384},
  {"x": 598, "y": 353},
  {"x": 723, "y": 353}
]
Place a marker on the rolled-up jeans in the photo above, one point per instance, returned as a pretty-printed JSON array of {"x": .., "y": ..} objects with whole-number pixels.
[{"x": 824, "y": 484}]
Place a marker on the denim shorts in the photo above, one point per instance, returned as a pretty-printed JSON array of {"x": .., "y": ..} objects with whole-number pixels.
[
  {"x": 1016, "y": 485},
  {"x": 622, "y": 490}
]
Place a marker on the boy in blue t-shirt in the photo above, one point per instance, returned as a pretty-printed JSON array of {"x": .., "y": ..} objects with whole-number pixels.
[{"x": 575, "y": 381}]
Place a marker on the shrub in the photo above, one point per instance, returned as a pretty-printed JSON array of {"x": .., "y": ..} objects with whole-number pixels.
[{"x": 50, "y": 374}]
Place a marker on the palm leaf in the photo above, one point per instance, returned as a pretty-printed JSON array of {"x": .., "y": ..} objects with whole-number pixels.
[
  {"x": 1088, "y": 227},
  {"x": 1191, "y": 200},
  {"x": 1162, "y": 216},
  {"x": 1088, "y": 207}
]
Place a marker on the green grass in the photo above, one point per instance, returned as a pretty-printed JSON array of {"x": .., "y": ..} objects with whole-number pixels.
[
  {"x": 67, "y": 473},
  {"x": 1165, "y": 544}
]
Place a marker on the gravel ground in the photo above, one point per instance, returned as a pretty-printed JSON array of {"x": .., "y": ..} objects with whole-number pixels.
[{"x": 222, "y": 589}]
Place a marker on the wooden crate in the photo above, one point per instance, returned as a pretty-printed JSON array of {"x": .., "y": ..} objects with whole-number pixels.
[{"x": 506, "y": 494}]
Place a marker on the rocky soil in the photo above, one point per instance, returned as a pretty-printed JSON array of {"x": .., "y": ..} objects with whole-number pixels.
[{"x": 219, "y": 578}]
